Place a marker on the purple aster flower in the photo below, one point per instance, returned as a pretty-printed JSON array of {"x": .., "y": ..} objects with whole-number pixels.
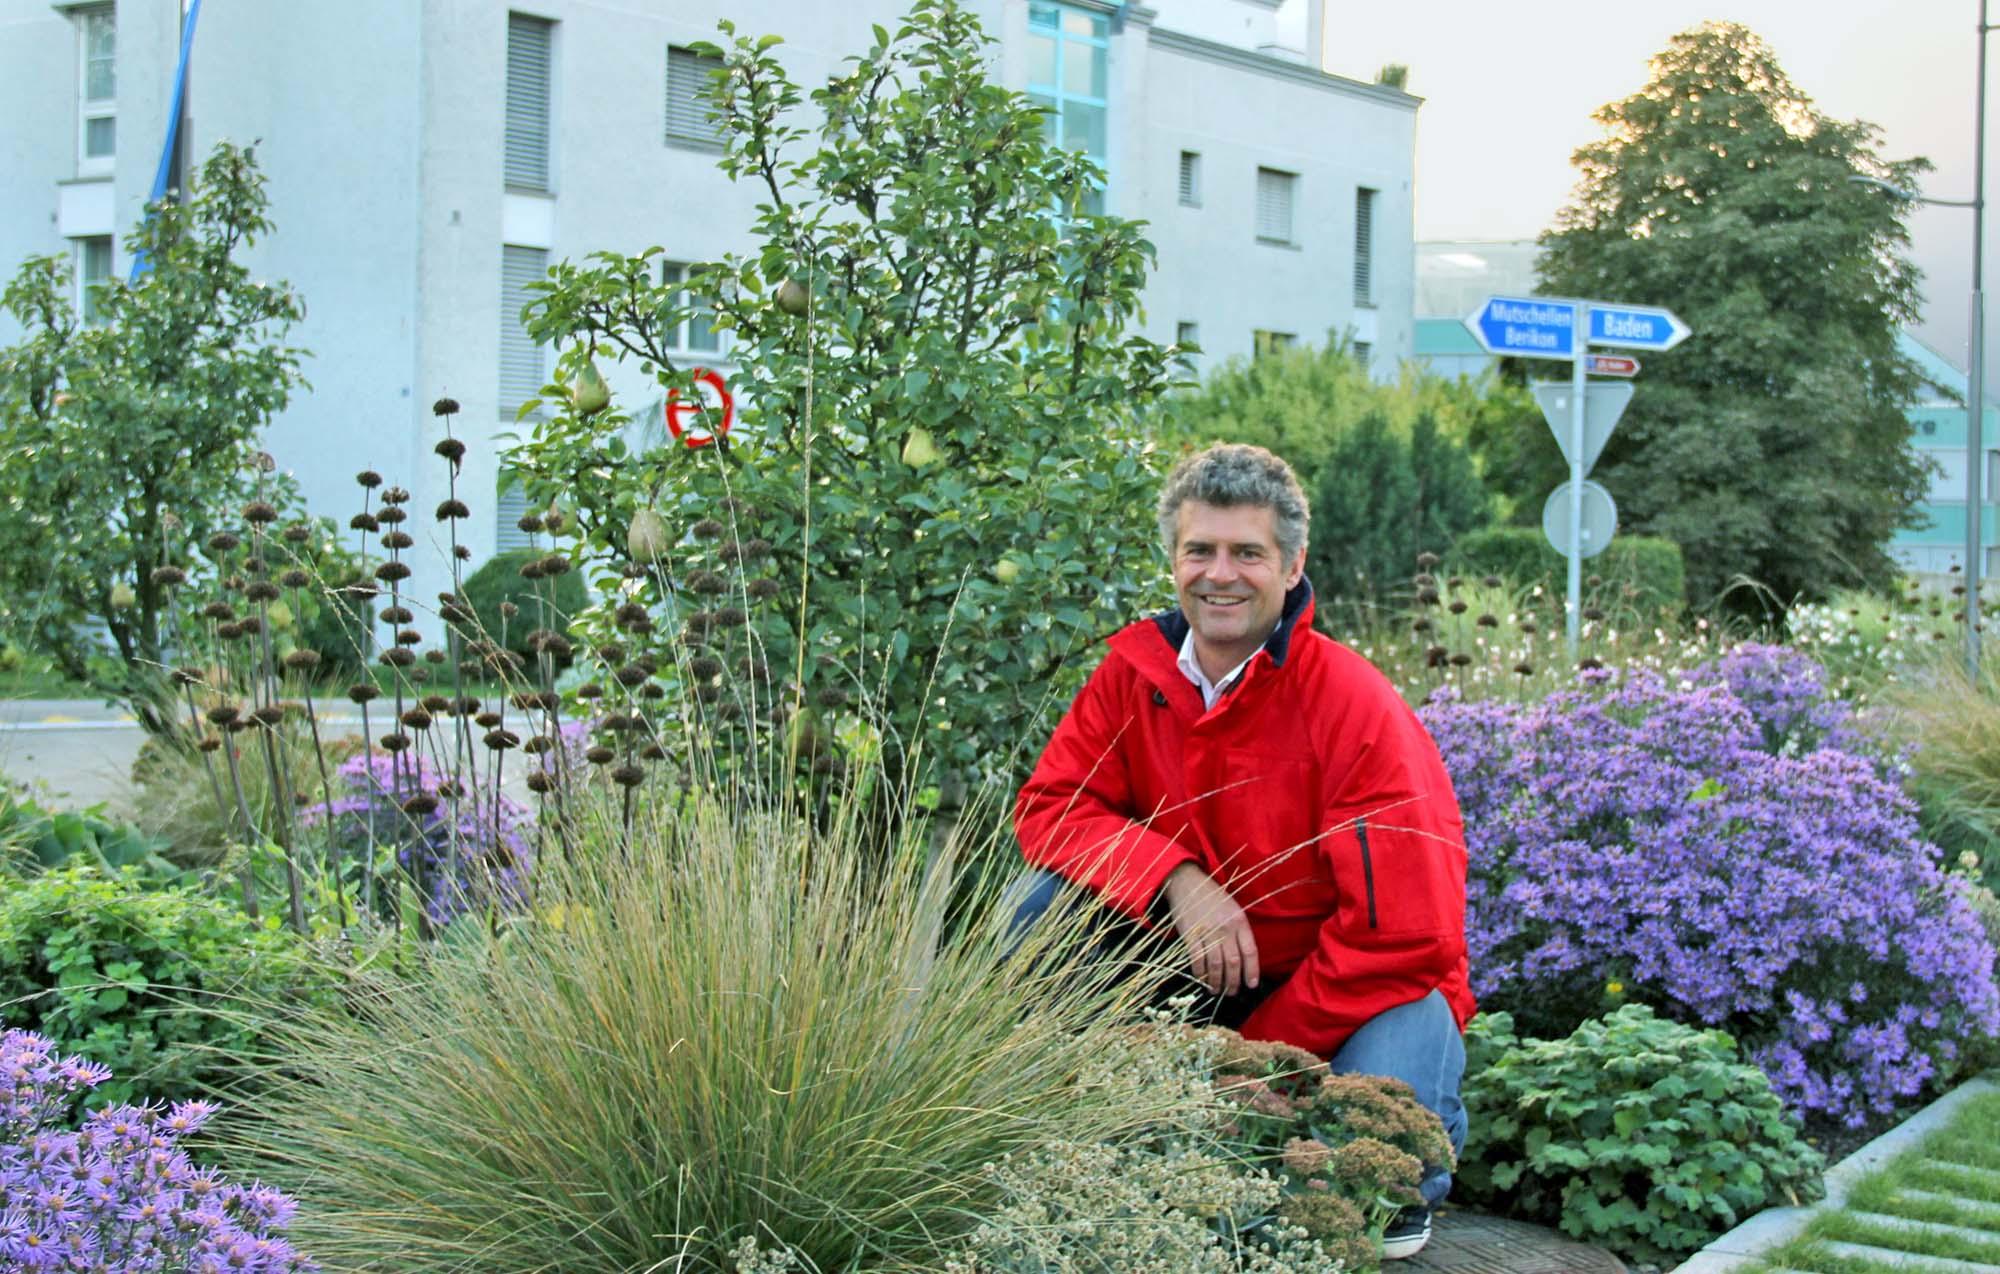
[{"x": 1727, "y": 846}]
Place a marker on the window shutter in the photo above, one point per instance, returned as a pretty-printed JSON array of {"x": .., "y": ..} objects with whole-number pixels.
[
  {"x": 1274, "y": 205},
  {"x": 1191, "y": 179},
  {"x": 687, "y": 98},
  {"x": 527, "y": 154},
  {"x": 509, "y": 507},
  {"x": 1364, "y": 246},
  {"x": 520, "y": 358}
]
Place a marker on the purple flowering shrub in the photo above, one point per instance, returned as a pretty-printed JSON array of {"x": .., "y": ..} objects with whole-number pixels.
[
  {"x": 495, "y": 834},
  {"x": 119, "y": 1194},
  {"x": 1715, "y": 849},
  {"x": 1786, "y": 694}
]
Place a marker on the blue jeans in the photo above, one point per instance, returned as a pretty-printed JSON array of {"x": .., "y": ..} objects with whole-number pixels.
[{"x": 1418, "y": 1042}]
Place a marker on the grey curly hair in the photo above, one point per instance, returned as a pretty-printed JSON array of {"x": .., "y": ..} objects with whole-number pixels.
[{"x": 1229, "y": 474}]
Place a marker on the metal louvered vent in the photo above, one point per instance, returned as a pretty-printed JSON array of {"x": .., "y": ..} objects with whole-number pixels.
[
  {"x": 1274, "y": 205},
  {"x": 521, "y": 371},
  {"x": 688, "y": 76},
  {"x": 1364, "y": 246},
  {"x": 527, "y": 152}
]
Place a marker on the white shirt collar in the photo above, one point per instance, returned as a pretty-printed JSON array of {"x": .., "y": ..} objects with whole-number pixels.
[{"x": 1190, "y": 666}]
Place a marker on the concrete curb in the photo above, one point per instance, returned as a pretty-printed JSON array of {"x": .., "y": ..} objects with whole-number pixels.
[{"x": 1774, "y": 1226}]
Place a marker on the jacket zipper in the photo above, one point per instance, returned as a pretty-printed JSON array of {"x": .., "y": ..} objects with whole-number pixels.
[{"x": 1367, "y": 867}]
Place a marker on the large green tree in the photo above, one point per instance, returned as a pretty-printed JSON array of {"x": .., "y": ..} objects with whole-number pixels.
[
  {"x": 938, "y": 497},
  {"x": 1772, "y": 444},
  {"x": 123, "y": 443}
]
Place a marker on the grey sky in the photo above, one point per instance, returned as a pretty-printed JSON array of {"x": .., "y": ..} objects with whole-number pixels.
[{"x": 1509, "y": 90}]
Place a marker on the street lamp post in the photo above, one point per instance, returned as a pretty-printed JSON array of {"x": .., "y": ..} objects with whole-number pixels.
[{"x": 1975, "y": 398}]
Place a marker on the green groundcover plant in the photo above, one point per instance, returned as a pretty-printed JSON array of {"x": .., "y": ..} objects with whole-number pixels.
[
  {"x": 166, "y": 987},
  {"x": 1641, "y": 1134}
]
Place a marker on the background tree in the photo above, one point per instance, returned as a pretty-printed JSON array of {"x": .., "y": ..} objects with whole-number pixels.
[
  {"x": 1772, "y": 444},
  {"x": 937, "y": 499},
  {"x": 123, "y": 443},
  {"x": 1387, "y": 467}
]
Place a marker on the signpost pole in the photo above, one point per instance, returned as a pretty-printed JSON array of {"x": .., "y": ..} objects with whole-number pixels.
[{"x": 1579, "y": 357}]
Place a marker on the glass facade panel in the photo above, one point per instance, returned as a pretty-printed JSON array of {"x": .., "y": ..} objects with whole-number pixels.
[
  {"x": 100, "y": 137},
  {"x": 1041, "y": 59},
  {"x": 1053, "y": 118},
  {"x": 100, "y": 76},
  {"x": 1088, "y": 25},
  {"x": 93, "y": 268},
  {"x": 1069, "y": 77},
  {"x": 1083, "y": 72},
  {"x": 698, "y": 334},
  {"x": 1083, "y": 128}
]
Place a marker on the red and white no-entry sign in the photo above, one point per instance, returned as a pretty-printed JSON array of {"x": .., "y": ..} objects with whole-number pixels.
[{"x": 700, "y": 420}]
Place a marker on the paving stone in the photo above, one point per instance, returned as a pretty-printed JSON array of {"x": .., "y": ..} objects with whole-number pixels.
[
  {"x": 1469, "y": 1243},
  {"x": 1982, "y": 1183},
  {"x": 1985, "y": 1210},
  {"x": 1907, "y": 1260},
  {"x": 1937, "y": 1228}
]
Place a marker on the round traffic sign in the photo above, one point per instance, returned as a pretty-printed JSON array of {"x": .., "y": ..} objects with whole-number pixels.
[
  {"x": 708, "y": 417},
  {"x": 1600, "y": 519}
]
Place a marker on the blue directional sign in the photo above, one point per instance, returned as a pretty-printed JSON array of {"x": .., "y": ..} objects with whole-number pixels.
[
  {"x": 1525, "y": 326},
  {"x": 1635, "y": 326}
]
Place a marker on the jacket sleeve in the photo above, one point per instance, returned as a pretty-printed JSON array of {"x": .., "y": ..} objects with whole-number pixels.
[
  {"x": 1395, "y": 843},
  {"x": 1078, "y": 816}
]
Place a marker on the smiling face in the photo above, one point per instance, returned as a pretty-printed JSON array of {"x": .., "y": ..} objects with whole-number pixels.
[{"x": 1230, "y": 579}]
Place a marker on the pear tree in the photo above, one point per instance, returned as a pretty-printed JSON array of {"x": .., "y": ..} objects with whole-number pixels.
[{"x": 936, "y": 498}]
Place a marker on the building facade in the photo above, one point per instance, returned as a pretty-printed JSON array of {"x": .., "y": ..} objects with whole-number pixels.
[{"x": 429, "y": 158}]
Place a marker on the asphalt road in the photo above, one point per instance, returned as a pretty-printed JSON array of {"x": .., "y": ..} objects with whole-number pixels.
[{"x": 74, "y": 752}]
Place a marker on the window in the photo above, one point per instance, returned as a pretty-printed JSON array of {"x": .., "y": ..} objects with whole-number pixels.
[
  {"x": 1363, "y": 352},
  {"x": 527, "y": 152},
  {"x": 1274, "y": 206},
  {"x": 97, "y": 89},
  {"x": 1364, "y": 246},
  {"x": 1187, "y": 335},
  {"x": 1068, "y": 76},
  {"x": 1190, "y": 179},
  {"x": 1263, "y": 342},
  {"x": 93, "y": 266},
  {"x": 696, "y": 335},
  {"x": 521, "y": 372},
  {"x": 688, "y": 77},
  {"x": 510, "y": 505}
]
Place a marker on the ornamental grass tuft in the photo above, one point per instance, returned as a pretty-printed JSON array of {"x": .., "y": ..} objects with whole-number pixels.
[{"x": 742, "y": 1024}]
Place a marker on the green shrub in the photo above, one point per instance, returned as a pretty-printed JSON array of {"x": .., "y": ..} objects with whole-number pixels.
[
  {"x": 547, "y": 603},
  {"x": 34, "y": 839},
  {"x": 1644, "y": 1135},
  {"x": 166, "y": 987},
  {"x": 1386, "y": 495},
  {"x": 1638, "y": 572}
]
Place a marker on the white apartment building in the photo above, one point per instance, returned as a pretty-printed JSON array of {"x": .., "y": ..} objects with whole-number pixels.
[{"x": 427, "y": 158}]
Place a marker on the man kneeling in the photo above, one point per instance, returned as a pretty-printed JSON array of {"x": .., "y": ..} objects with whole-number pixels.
[{"x": 1244, "y": 786}]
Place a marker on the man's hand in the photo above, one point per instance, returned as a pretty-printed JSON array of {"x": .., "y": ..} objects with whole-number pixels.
[{"x": 1215, "y": 929}]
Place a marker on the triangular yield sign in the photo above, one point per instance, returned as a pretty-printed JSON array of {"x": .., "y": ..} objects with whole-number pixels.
[{"x": 1603, "y": 403}]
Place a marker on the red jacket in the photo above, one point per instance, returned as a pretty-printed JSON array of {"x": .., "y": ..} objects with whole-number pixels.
[{"x": 1310, "y": 791}]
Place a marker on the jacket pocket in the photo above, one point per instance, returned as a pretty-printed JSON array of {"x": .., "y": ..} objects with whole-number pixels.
[
  {"x": 1398, "y": 878},
  {"x": 1264, "y": 825}
]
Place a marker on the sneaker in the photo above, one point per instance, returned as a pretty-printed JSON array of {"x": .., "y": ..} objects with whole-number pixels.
[{"x": 1407, "y": 1234}]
